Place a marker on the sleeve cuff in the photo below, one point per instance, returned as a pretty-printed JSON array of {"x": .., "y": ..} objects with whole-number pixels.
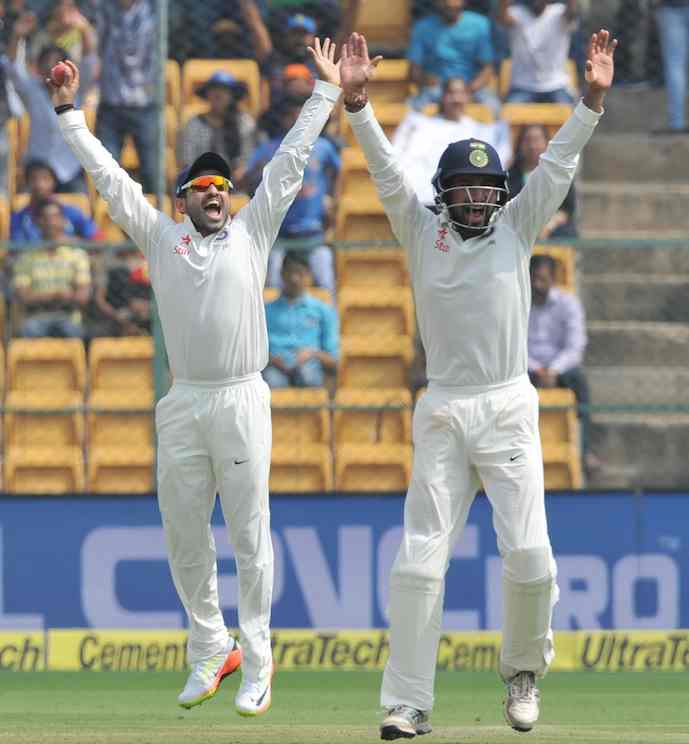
[
  {"x": 359, "y": 117},
  {"x": 584, "y": 113},
  {"x": 327, "y": 90},
  {"x": 71, "y": 119}
]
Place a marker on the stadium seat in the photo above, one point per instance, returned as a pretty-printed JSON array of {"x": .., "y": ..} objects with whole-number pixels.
[
  {"x": 389, "y": 115},
  {"x": 44, "y": 418},
  {"x": 121, "y": 363},
  {"x": 110, "y": 231},
  {"x": 120, "y": 418},
  {"x": 376, "y": 267},
  {"x": 270, "y": 294},
  {"x": 390, "y": 83},
  {"x": 300, "y": 415},
  {"x": 505, "y": 76},
  {"x": 81, "y": 201},
  {"x": 4, "y": 220},
  {"x": 46, "y": 364},
  {"x": 362, "y": 218},
  {"x": 197, "y": 71},
  {"x": 559, "y": 430},
  {"x": 376, "y": 311},
  {"x": 58, "y": 470},
  {"x": 173, "y": 83},
  {"x": 385, "y": 23},
  {"x": 372, "y": 416},
  {"x": 237, "y": 201},
  {"x": 301, "y": 468},
  {"x": 365, "y": 468},
  {"x": 384, "y": 364},
  {"x": 551, "y": 115},
  {"x": 121, "y": 469},
  {"x": 354, "y": 175},
  {"x": 562, "y": 467},
  {"x": 564, "y": 256}
]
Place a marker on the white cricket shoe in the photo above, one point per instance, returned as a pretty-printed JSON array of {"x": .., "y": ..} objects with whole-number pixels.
[
  {"x": 254, "y": 698},
  {"x": 521, "y": 707},
  {"x": 404, "y": 722},
  {"x": 206, "y": 675}
]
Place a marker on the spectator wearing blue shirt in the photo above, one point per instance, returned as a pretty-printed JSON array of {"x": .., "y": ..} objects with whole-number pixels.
[
  {"x": 452, "y": 43},
  {"x": 307, "y": 219},
  {"x": 303, "y": 332},
  {"x": 42, "y": 183}
]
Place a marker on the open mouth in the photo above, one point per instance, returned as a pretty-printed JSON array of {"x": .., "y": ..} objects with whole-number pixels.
[{"x": 213, "y": 208}]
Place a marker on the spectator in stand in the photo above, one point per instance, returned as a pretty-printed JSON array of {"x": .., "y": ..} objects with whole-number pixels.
[
  {"x": 452, "y": 43},
  {"x": 45, "y": 141},
  {"x": 557, "y": 340},
  {"x": 420, "y": 140},
  {"x": 540, "y": 36},
  {"x": 127, "y": 35},
  {"x": 67, "y": 28},
  {"x": 297, "y": 80},
  {"x": 306, "y": 221},
  {"x": 52, "y": 285},
  {"x": 531, "y": 144},
  {"x": 123, "y": 296},
  {"x": 8, "y": 16},
  {"x": 672, "y": 17},
  {"x": 328, "y": 14},
  {"x": 303, "y": 332},
  {"x": 224, "y": 128},
  {"x": 42, "y": 183}
]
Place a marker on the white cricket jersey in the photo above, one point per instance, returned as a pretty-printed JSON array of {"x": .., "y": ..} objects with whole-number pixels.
[
  {"x": 209, "y": 290},
  {"x": 473, "y": 297}
]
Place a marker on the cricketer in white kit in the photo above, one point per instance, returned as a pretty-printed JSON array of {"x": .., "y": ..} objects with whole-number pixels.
[
  {"x": 214, "y": 429},
  {"x": 478, "y": 421}
]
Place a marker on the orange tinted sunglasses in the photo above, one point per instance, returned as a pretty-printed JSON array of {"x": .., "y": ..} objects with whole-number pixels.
[{"x": 201, "y": 183}]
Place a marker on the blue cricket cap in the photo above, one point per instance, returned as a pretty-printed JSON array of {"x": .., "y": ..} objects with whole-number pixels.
[{"x": 300, "y": 20}]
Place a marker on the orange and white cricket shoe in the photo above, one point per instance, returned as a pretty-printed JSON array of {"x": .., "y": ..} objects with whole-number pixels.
[
  {"x": 206, "y": 675},
  {"x": 254, "y": 698}
]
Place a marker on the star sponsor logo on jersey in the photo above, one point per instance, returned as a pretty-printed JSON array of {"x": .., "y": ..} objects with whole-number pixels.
[
  {"x": 440, "y": 243},
  {"x": 183, "y": 248}
]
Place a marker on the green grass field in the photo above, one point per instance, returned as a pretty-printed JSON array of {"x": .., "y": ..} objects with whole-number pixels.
[{"x": 335, "y": 707}]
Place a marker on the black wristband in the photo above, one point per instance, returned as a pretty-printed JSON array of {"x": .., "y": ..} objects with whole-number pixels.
[{"x": 64, "y": 107}]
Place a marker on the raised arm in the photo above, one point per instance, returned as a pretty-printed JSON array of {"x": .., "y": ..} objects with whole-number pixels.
[
  {"x": 124, "y": 196},
  {"x": 548, "y": 185},
  {"x": 402, "y": 206},
  {"x": 284, "y": 174}
]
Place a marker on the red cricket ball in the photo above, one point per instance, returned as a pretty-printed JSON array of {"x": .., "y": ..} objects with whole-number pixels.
[{"x": 57, "y": 74}]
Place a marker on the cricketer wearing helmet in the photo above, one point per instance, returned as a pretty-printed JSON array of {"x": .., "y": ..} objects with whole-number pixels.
[
  {"x": 478, "y": 421},
  {"x": 213, "y": 427}
]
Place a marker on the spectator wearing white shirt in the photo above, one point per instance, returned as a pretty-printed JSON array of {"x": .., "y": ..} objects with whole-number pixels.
[
  {"x": 420, "y": 140},
  {"x": 540, "y": 34}
]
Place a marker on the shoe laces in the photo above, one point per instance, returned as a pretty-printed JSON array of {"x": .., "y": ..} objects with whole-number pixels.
[
  {"x": 405, "y": 711},
  {"x": 522, "y": 687}
]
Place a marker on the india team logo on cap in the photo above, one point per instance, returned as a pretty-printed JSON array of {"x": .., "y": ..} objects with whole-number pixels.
[{"x": 478, "y": 156}]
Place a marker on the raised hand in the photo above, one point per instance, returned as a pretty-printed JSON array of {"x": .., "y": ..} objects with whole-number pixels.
[
  {"x": 324, "y": 59},
  {"x": 600, "y": 65},
  {"x": 67, "y": 92},
  {"x": 356, "y": 68}
]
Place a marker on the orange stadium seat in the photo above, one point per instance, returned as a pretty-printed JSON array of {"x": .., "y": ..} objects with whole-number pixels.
[
  {"x": 120, "y": 418},
  {"x": 360, "y": 219},
  {"x": 372, "y": 416},
  {"x": 564, "y": 256},
  {"x": 371, "y": 311},
  {"x": 51, "y": 469},
  {"x": 301, "y": 468},
  {"x": 121, "y": 363},
  {"x": 121, "y": 469},
  {"x": 44, "y": 418},
  {"x": 366, "y": 468},
  {"x": 385, "y": 22},
  {"x": 197, "y": 71},
  {"x": 46, "y": 364},
  {"x": 384, "y": 364},
  {"x": 300, "y": 415},
  {"x": 375, "y": 267}
]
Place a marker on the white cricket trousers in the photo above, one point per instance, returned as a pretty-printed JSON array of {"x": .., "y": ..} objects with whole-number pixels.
[
  {"x": 217, "y": 438},
  {"x": 464, "y": 437}
]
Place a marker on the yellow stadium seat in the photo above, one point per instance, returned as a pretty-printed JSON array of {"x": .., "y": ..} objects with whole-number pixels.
[
  {"x": 354, "y": 175},
  {"x": 121, "y": 363},
  {"x": 4, "y": 220},
  {"x": 562, "y": 467},
  {"x": 505, "y": 76},
  {"x": 372, "y": 416},
  {"x": 81, "y": 201},
  {"x": 173, "y": 83},
  {"x": 44, "y": 418},
  {"x": 377, "y": 267},
  {"x": 385, "y": 22},
  {"x": 551, "y": 115},
  {"x": 384, "y": 364},
  {"x": 365, "y": 468},
  {"x": 121, "y": 469},
  {"x": 301, "y": 468},
  {"x": 237, "y": 201},
  {"x": 39, "y": 470},
  {"x": 270, "y": 294},
  {"x": 300, "y": 415},
  {"x": 559, "y": 430},
  {"x": 389, "y": 115},
  {"x": 360, "y": 219},
  {"x": 120, "y": 418},
  {"x": 46, "y": 364},
  {"x": 111, "y": 231},
  {"x": 382, "y": 311},
  {"x": 565, "y": 257},
  {"x": 390, "y": 84},
  {"x": 196, "y": 71}
]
